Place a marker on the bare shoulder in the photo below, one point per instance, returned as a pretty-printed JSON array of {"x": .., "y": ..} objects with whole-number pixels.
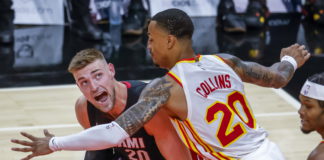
[
  {"x": 177, "y": 104},
  {"x": 317, "y": 153},
  {"x": 81, "y": 112},
  {"x": 80, "y": 104},
  {"x": 235, "y": 63},
  {"x": 230, "y": 59}
]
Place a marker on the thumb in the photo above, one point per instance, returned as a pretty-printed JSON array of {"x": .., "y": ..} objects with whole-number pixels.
[{"x": 47, "y": 134}]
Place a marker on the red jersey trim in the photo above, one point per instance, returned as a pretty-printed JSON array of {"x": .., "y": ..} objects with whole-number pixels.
[{"x": 128, "y": 85}]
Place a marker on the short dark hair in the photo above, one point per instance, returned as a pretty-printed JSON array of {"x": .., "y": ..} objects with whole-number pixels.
[
  {"x": 318, "y": 79},
  {"x": 176, "y": 22}
]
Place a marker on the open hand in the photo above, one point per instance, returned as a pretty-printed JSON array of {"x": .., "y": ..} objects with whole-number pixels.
[{"x": 38, "y": 146}]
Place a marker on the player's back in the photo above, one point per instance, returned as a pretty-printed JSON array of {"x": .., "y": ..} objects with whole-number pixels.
[{"x": 220, "y": 123}]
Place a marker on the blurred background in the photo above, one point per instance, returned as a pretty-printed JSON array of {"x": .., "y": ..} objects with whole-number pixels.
[{"x": 39, "y": 37}]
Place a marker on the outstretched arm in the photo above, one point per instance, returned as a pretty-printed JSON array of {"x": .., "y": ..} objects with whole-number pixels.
[
  {"x": 277, "y": 75},
  {"x": 153, "y": 97}
]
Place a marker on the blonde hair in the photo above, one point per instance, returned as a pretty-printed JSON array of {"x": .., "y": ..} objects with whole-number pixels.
[{"x": 83, "y": 58}]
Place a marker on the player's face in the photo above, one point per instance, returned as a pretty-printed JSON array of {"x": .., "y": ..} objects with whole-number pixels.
[
  {"x": 311, "y": 115},
  {"x": 157, "y": 44},
  {"x": 96, "y": 82}
]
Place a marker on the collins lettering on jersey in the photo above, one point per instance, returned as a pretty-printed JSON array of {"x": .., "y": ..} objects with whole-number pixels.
[{"x": 212, "y": 84}]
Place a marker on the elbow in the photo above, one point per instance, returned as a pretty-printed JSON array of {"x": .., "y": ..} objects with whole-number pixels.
[{"x": 279, "y": 82}]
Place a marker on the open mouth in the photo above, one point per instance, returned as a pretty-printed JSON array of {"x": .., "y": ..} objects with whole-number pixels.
[{"x": 101, "y": 97}]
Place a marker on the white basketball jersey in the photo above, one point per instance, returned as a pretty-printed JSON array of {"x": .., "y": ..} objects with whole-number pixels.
[{"x": 220, "y": 123}]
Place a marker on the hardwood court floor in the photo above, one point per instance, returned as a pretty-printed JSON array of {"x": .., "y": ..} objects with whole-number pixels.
[{"x": 32, "y": 109}]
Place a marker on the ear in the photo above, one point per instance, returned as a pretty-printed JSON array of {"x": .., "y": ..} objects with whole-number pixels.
[
  {"x": 111, "y": 68},
  {"x": 171, "y": 41}
]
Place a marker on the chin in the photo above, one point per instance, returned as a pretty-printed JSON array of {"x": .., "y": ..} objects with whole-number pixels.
[
  {"x": 306, "y": 131},
  {"x": 106, "y": 109},
  {"x": 156, "y": 65}
]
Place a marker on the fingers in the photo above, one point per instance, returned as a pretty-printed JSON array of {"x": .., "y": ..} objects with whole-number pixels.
[
  {"x": 22, "y": 142},
  {"x": 25, "y": 149},
  {"x": 305, "y": 53},
  {"x": 296, "y": 45},
  {"x": 307, "y": 56},
  {"x": 47, "y": 134},
  {"x": 29, "y": 136},
  {"x": 29, "y": 157},
  {"x": 301, "y": 47}
]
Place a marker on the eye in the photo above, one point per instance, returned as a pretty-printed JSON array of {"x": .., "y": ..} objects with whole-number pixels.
[
  {"x": 99, "y": 75},
  {"x": 84, "y": 83},
  {"x": 307, "y": 106}
]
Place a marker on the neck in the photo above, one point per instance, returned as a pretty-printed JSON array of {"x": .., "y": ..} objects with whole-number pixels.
[
  {"x": 321, "y": 132},
  {"x": 185, "y": 51},
  {"x": 120, "y": 101}
]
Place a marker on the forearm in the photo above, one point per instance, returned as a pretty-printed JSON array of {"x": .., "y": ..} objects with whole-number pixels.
[
  {"x": 277, "y": 75},
  {"x": 95, "y": 138},
  {"x": 284, "y": 71}
]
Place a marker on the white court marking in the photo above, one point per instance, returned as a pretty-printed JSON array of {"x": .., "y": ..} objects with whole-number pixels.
[
  {"x": 288, "y": 98},
  {"x": 77, "y": 125},
  {"x": 280, "y": 92},
  {"x": 68, "y": 86},
  {"x": 39, "y": 127}
]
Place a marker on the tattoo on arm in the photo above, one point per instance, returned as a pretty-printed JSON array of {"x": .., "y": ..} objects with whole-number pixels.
[
  {"x": 278, "y": 75},
  {"x": 152, "y": 98},
  {"x": 275, "y": 76}
]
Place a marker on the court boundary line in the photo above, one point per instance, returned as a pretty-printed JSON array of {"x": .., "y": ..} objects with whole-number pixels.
[
  {"x": 40, "y": 127},
  {"x": 63, "y": 86},
  {"x": 288, "y": 98},
  {"x": 23, "y": 128}
]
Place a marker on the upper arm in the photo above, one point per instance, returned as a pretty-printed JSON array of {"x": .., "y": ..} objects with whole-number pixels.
[
  {"x": 277, "y": 75},
  {"x": 166, "y": 137},
  {"x": 82, "y": 112},
  {"x": 153, "y": 97}
]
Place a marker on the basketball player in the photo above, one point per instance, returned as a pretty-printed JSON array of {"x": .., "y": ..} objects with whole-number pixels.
[
  {"x": 312, "y": 111},
  {"x": 104, "y": 99},
  {"x": 203, "y": 94}
]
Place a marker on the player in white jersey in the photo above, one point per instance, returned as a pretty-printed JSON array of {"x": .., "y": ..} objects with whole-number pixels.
[
  {"x": 217, "y": 110},
  {"x": 204, "y": 96}
]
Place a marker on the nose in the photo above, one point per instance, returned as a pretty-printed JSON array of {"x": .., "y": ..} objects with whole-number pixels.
[
  {"x": 93, "y": 86},
  {"x": 301, "y": 110},
  {"x": 148, "y": 51},
  {"x": 148, "y": 45}
]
